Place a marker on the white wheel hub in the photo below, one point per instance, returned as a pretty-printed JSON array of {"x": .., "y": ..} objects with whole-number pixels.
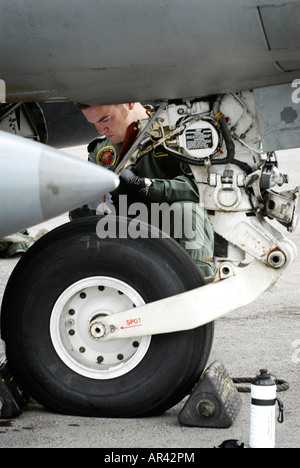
[{"x": 77, "y": 342}]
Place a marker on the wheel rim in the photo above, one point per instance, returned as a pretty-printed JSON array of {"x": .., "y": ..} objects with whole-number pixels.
[{"x": 70, "y": 321}]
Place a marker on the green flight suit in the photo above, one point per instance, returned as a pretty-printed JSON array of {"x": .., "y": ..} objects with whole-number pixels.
[
  {"x": 173, "y": 184},
  {"x": 15, "y": 244}
]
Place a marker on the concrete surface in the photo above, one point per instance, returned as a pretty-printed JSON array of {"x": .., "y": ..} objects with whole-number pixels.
[{"x": 266, "y": 334}]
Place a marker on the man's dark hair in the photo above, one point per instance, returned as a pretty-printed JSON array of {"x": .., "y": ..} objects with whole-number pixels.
[{"x": 82, "y": 106}]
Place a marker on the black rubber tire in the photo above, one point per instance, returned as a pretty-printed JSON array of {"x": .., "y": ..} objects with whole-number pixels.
[{"x": 155, "y": 268}]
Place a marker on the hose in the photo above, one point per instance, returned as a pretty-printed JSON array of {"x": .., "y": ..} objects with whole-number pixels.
[
  {"x": 230, "y": 146},
  {"x": 282, "y": 385}
]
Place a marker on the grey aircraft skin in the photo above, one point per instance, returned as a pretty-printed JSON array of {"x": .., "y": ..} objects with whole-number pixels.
[
  {"x": 135, "y": 50},
  {"x": 104, "y": 52}
]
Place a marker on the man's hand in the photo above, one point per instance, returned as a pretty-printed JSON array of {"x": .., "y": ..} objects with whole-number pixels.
[{"x": 133, "y": 184}]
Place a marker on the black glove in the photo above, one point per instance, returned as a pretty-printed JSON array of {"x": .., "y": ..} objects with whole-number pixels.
[{"x": 133, "y": 184}]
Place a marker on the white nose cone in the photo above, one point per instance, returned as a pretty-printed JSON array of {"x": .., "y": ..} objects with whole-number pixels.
[{"x": 38, "y": 182}]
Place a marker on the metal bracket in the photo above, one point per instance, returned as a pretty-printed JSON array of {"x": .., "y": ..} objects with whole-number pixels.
[
  {"x": 202, "y": 305},
  {"x": 253, "y": 235}
]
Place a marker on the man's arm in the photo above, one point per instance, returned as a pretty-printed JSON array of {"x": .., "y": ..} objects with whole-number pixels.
[{"x": 180, "y": 188}]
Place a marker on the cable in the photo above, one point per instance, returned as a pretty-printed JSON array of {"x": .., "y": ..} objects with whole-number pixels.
[{"x": 282, "y": 385}]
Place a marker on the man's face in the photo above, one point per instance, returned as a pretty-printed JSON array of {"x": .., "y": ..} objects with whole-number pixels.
[{"x": 110, "y": 121}]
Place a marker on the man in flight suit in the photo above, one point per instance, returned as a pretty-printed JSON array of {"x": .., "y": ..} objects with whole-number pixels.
[{"x": 158, "y": 177}]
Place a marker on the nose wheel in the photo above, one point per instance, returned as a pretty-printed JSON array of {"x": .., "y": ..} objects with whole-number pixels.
[{"x": 58, "y": 295}]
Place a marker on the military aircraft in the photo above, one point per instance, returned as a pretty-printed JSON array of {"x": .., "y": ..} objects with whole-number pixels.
[{"x": 122, "y": 326}]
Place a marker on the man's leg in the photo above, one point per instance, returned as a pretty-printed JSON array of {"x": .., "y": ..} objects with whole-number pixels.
[{"x": 191, "y": 227}]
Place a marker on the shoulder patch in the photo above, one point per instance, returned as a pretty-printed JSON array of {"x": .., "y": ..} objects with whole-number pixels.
[
  {"x": 106, "y": 156},
  {"x": 92, "y": 145}
]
